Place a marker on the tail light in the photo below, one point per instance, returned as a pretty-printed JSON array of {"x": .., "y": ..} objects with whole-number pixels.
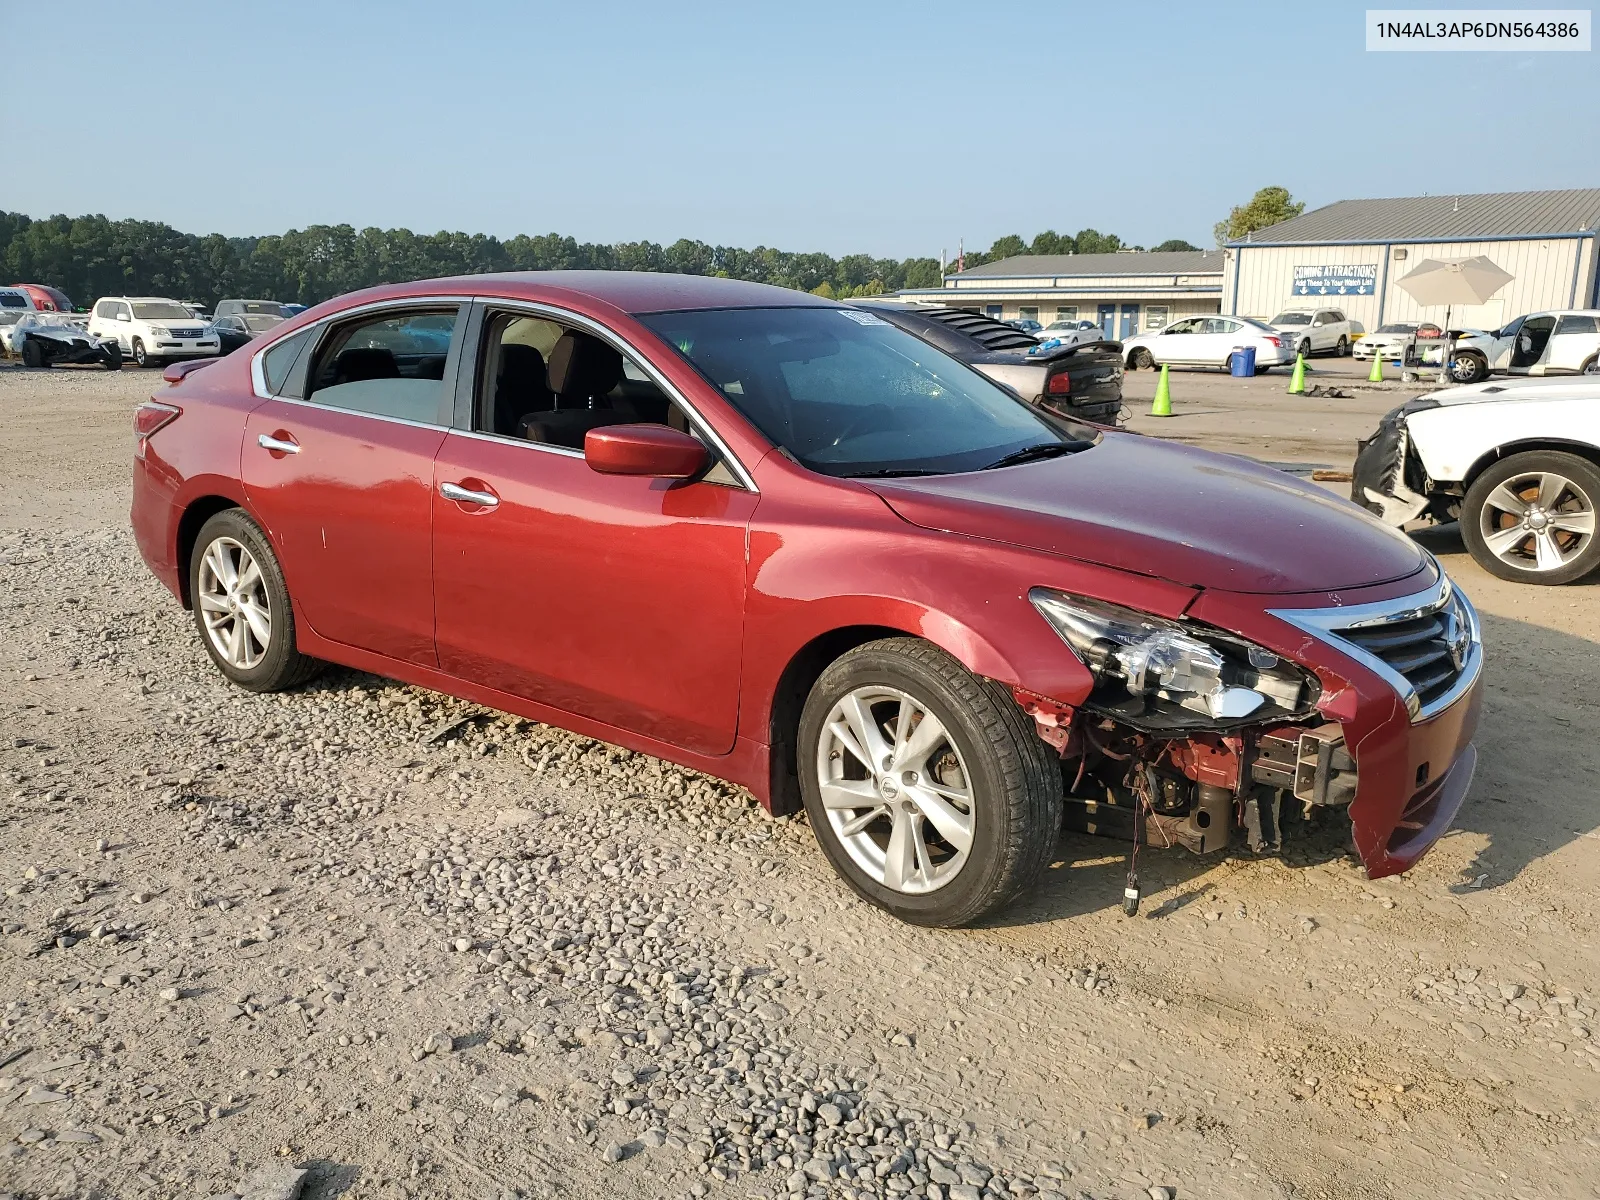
[
  {"x": 1058, "y": 385},
  {"x": 153, "y": 415},
  {"x": 1274, "y": 341}
]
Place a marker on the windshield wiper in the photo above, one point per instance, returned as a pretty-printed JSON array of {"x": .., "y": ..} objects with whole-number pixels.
[{"x": 1034, "y": 453}]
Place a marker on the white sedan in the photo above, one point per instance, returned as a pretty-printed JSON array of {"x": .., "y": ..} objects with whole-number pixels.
[
  {"x": 1513, "y": 461},
  {"x": 1208, "y": 342},
  {"x": 1071, "y": 333}
]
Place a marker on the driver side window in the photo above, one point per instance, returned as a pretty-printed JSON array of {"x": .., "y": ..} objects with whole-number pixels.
[{"x": 1183, "y": 326}]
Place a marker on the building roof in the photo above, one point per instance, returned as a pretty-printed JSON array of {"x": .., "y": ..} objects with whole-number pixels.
[
  {"x": 1445, "y": 218},
  {"x": 1169, "y": 262}
]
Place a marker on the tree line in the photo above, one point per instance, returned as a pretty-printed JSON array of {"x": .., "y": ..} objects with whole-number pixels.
[{"x": 92, "y": 256}]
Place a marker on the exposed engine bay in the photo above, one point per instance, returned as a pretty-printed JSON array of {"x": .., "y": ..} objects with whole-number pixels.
[{"x": 1189, "y": 734}]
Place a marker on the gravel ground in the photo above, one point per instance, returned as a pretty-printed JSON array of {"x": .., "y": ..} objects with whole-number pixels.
[{"x": 415, "y": 948}]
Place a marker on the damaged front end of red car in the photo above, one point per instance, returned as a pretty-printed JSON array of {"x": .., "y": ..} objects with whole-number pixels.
[{"x": 1198, "y": 737}]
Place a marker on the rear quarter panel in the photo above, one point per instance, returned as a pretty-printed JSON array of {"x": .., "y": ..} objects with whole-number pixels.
[
  {"x": 193, "y": 458},
  {"x": 1451, "y": 438}
]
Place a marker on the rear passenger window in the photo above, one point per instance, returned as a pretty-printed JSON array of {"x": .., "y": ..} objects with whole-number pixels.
[
  {"x": 389, "y": 365},
  {"x": 543, "y": 382},
  {"x": 1578, "y": 323}
]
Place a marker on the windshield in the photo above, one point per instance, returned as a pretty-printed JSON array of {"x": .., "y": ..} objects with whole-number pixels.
[
  {"x": 1292, "y": 318},
  {"x": 845, "y": 393},
  {"x": 1397, "y": 327},
  {"x": 161, "y": 310},
  {"x": 261, "y": 324}
]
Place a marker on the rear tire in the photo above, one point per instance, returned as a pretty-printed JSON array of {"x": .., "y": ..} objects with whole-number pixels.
[
  {"x": 1531, "y": 518},
  {"x": 33, "y": 354},
  {"x": 242, "y": 606},
  {"x": 956, "y": 866},
  {"x": 1592, "y": 367}
]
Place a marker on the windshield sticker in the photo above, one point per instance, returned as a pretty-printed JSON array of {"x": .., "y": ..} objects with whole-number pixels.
[{"x": 861, "y": 318}]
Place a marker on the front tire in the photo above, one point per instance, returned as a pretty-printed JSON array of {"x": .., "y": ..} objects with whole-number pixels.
[
  {"x": 1468, "y": 368},
  {"x": 113, "y": 357},
  {"x": 1141, "y": 359},
  {"x": 242, "y": 607},
  {"x": 959, "y": 808},
  {"x": 140, "y": 358},
  {"x": 33, "y": 354},
  {"x": 1531, "y": 518},
  {"x": 1342, "y": 350}
]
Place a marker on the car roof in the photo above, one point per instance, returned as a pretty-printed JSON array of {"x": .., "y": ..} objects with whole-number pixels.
[{"x": 632, "y": 292}]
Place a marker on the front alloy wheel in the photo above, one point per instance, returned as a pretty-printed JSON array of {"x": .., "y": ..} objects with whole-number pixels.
[
  {"x": 1531, "y": 518},
  {"x": 927, "y": 787}
]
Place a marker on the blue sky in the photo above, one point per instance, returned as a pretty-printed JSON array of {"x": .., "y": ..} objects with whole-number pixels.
[{"x": 886, "y": 128}]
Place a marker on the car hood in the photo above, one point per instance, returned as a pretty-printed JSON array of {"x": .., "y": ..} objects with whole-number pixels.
[
  {"x": 1161, "y": 509},
  {"x": 1518, "y": 391}
]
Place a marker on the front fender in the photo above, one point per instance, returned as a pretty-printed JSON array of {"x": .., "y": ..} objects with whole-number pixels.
[{"x": 967, "y": 596}]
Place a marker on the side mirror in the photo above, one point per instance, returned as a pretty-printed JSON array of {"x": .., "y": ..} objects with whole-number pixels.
[{"x": 654, "y": 450}]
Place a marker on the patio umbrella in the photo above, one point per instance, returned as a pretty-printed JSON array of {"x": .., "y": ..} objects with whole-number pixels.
[{"x": 1452, "y": 281}]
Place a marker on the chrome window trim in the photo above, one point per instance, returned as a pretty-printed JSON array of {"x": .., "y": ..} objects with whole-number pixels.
[
  {"x": 502, "y": 439},
  {"x": 357, "y": 412},
  {"x": 1326, "y": 624},
  {"x": 606, "y": 334},
  {"x": 258, "y": 375}
]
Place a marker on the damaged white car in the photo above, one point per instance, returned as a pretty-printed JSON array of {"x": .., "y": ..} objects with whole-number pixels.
[
  {"x": 44, "y": 339},
  {"x": 1516, "y": 462}
]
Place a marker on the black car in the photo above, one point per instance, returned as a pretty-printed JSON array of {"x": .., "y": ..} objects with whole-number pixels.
[
  {"x": 1082, "y": 381},
  {"x": 234, "y": 331}
]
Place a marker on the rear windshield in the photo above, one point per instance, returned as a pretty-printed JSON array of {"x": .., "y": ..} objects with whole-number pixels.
[
  {"x": 847, "y": 394},
  {"x": 1292, "y": 318},
  {"x": 161, "y": 311}
]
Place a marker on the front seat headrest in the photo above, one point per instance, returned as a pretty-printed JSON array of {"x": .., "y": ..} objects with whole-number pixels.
[
  {"x": 365, "y": 362},
  {"x": 582, "y": 365}
]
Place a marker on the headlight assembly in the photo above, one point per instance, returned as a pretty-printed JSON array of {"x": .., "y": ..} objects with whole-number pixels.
[
  {"x": 1160, "y": 675},
  {"x": 159, "y": 331}
]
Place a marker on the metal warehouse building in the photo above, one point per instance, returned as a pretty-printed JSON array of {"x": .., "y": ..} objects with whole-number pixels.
[
  {"x": 1354, "y": 253},
  {"x": 1122, "y": 293}
]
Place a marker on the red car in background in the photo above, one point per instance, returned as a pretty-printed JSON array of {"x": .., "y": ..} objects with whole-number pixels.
[
  {"x": 779, "y": 540},
  {"x": 44, "y": 297}
]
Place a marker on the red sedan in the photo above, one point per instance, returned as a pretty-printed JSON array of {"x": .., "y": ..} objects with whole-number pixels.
[{"x": 777, "y": 539}]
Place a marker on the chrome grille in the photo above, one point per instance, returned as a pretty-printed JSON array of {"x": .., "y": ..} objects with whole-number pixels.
[{"x": 1427, "y": 646}]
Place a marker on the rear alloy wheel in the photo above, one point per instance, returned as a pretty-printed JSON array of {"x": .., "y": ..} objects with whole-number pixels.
[
  {"x": 242, "y": 606},
  {"x": 139, "y": 355},
  {"x": 1468, "y": 368},
  {"x": 1141, "y": 359},
  {"x": 1342, "y": 350},
  {"x": 926, "y": 786},
  {"x": 1531, "y": 518}
]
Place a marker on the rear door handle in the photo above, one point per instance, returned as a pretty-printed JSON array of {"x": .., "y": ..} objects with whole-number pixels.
[
  {"x": 278, "y": 445},
  {"x": 454, "y": 491}
]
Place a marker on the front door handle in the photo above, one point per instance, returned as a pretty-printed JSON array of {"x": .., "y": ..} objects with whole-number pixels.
[
  {"x": 278, "y": 445},
  {"x": 454, "y": 491}
]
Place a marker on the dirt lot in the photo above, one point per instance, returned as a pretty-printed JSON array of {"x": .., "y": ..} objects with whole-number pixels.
[{"x": 424, "y": 950}]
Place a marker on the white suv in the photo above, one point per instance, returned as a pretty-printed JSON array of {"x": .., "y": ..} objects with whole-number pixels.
[
  {"x": 152, "y": 329},
  {"x": 1314, "y": 331}
]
